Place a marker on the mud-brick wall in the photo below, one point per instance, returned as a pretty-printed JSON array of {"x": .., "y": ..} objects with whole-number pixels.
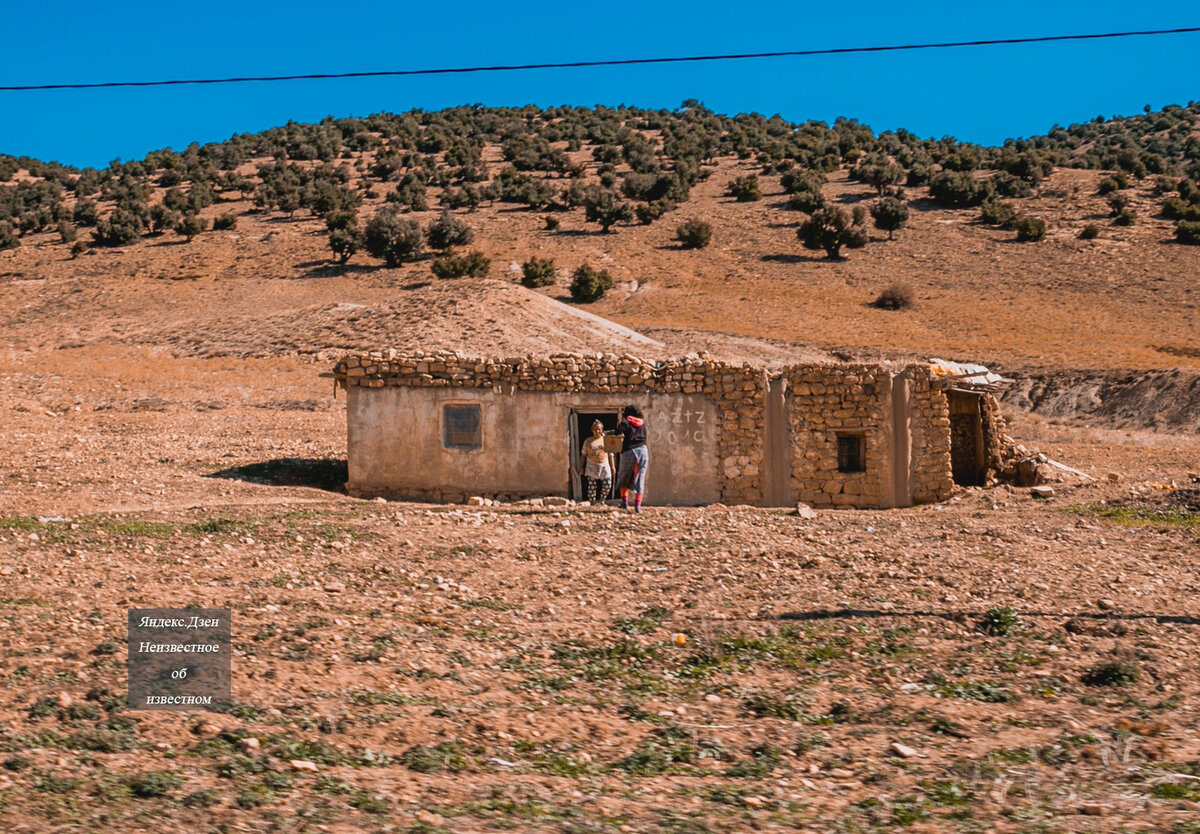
[
  {"x": 932, "y": 478},
  {"x": 737, "y": 391},
  {"x": 824, "y": 402}
]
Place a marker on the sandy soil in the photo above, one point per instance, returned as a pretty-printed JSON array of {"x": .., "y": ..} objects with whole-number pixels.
[{"x": 167, "y": 441}]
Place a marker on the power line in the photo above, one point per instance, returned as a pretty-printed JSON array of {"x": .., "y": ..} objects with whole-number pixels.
[{"x": 608, "y": 63}]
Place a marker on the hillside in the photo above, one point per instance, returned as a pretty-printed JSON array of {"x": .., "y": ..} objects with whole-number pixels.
[
  {"x": 1125, "y": 299},
  {"x": 995, "y": 662}
]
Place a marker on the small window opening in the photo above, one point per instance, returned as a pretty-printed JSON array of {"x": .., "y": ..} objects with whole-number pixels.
[
  {"x": 462, "y": 426},
  {"x": 851, "y": 453}
]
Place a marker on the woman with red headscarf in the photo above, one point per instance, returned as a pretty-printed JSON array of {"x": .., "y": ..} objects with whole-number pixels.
[{"x": 635, "y": 459}]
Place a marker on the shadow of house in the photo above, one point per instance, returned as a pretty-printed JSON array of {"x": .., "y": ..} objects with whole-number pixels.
[{"x": 326, "y": 474}]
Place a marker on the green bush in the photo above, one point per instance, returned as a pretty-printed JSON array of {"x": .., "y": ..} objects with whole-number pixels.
[
  {"x": 551, "y": 223},
  {"x": 806, "y": 201},
  {"x": 647, "y": 213},
  {"x": 225, "y": 222},
  {"x": 448, "y": 231},
  {"x": 1188, "y": 231},
  {"x": 890, "y": 215},
  {"x": 877, "y": 171},
  {"x": 997, "y": 213},
  {"x": 1029, "y": 228},
  {"x": 8, "y": 236},
  {"x": 1089, "y": 232},
  {"x": 830, "y": 229},
  {"x": 1006, "y": 185},
  {"x": 122, "y": 227},
  {"x": 344, "y": 242},
  {"x": 162, "y": 217},
  {"x": 999, "y": 622},
  {"x": 190, "y": 226},
  {"x": 471, "y": 265},
  {"x": 66, "y": 231},
  {"x": 958, "y": 189},
  {"x": 393, "y": 238},
  {"x": 1112, "y": 184},
  {"x": 537, "y": 272},
  {"x": 694, "y": 234},
  {"x": 601, "y": 205},
  {"x": 1125, "y": 218},
  {"x": 744, "y": 189},
  {"x": 85, "y": 213},
  {"x": 588, "y": 285}
]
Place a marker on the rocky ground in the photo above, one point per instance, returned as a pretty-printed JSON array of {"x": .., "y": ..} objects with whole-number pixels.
[{"x": 993, "y": 663}]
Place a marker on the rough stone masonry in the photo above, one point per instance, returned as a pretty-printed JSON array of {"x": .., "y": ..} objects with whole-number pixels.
[{"x": 852, "y": 435}]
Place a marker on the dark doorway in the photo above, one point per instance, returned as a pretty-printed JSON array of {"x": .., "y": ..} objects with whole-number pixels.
[
  {"x": 966, "y": 439},
  {"x": 581, "y": 430}
]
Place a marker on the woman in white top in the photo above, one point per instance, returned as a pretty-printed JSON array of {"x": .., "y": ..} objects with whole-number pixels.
[{"x": 597, "y": 472}]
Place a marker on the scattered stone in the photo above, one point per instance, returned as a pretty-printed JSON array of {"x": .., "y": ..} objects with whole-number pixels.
[
  {"x": 301, "y": 764},
  {"x": 251, "y": 743},
  {"x": 841, "y": 773},
  {"x": 805, "y": 511},
  {"x": 334, "y": 587},
  {"x": 1115, "y": 477},
  {"x": 65, "y": 700},
  {"x": 475, "y": 501},
  {"x": 903, "y": 750},
  {"x": 555, "y": 501},
  {"x": 712, "y": 698},
  {"x": 1105, "y": 604},
  {"x": 1092, "y": 809},
  {"x": 1042, "y": 492}
]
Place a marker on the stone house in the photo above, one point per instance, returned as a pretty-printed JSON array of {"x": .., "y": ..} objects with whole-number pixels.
[{"x": 444, "y": 426}]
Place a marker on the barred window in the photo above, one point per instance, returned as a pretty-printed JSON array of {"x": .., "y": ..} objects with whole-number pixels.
[
  {"x": 462, "y": 426},
  {"x": 852, "y": 455}
]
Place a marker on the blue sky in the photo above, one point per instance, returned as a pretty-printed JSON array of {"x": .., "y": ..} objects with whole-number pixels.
[{"x": 982, "y": 95}]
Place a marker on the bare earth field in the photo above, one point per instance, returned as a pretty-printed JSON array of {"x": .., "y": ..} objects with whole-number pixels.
[{"x": 994, "y": 663}]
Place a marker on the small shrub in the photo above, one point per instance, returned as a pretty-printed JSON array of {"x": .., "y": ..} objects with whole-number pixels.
[
  {"x": 448, "y": 231},
  {"x": 79, "y": 248},
  {"x": 996, "y": 213},
  {"x": 1188, "y": 232},
  {"x": 647, "y": 213},
  {"x": 551, "y": 223},
  {"x": 831, "y": 229},
  {"x": 1112, "y": 184},
  {"x": 190, "y": 226},
  {"x": 1029, "y": 228},
  {"x": 344, "y": 242},
  {"x": 473, "y": 264},
  {"x": 896, "y": 297},
  {"x": 588, "y": 284},
  {"x": 537, "y": 272},
  {"x": 745, "y": 189},
  {"x": 1111, "y": 674},
  {"x": 806, "y": 201},
  {"x": 890, "y": 214},
  {"x": 66, "y": 231},
  {"x": 999, "y": 622},
  {"x": 1089, "y": 232},
  {"x": 694, "y": 234},
  {"x": 1125, "y": 218},
  {"x": 958, "y": 189},
  {"x": 393, "y": 238},
  {"x": 225, "y": 222},
  {"x": 121, "y": 228}
]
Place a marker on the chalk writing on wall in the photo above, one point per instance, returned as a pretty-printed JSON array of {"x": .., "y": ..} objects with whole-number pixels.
[{"x": 680, "y": 426}]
